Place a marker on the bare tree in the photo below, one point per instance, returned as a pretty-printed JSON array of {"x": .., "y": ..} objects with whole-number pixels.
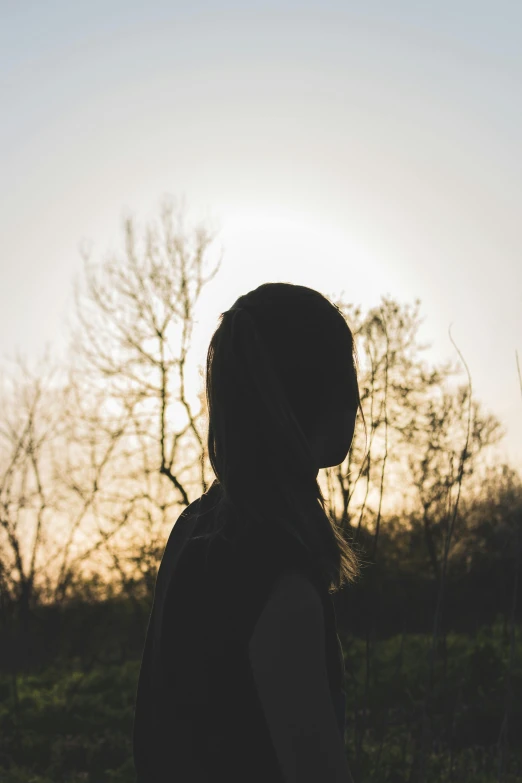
[
  {"x": 29, "y": 425},
  {"x": 87, "y": 478},
  {"x": 413, "y": 459},
  {"x": 135, "y": 315},
  {"x": 394, "y": 378},
  {"x": 48, "y": 504},
  {"x": 439, "y": 466}
]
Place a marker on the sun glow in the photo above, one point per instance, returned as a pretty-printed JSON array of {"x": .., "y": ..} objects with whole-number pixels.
[{"x": 280, "y": 243}]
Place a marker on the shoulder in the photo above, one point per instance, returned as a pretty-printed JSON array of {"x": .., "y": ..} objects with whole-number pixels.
[
  {"x": 287, "y": 652},
  {"x": 291, "y": 619},
  {"x": 294, "y": 591}
]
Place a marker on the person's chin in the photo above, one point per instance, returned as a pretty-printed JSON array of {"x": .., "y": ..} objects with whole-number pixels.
[{"x": 337, "y": 457}]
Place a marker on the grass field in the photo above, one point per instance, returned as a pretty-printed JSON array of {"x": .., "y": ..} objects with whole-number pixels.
[{"x": 73, "y": 722}]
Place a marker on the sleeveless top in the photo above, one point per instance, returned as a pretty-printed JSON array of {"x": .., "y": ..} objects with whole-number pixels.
[{"x": 198, "y": 717}]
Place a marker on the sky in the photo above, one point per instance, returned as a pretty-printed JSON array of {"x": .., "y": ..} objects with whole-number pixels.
[{"x": 366, "y": 148}]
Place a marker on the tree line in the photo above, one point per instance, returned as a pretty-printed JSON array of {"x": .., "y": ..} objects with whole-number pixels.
[{"x": 100, "y": 454}]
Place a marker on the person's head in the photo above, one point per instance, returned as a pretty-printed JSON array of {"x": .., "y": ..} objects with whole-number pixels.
[{"x": 282, "y": 396}]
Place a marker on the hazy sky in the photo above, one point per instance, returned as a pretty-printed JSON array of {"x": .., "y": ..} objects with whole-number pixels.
[{"x": 370, "y": 147}]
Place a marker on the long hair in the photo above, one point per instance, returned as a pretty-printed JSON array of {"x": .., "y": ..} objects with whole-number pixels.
[{"x": 279, "y": 354}]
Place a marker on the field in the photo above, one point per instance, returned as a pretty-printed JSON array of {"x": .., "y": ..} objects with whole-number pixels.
[{"x": 71, "y": 722}]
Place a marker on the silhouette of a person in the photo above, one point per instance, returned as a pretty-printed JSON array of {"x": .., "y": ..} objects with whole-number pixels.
[{"x": 242, "y": 675}]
